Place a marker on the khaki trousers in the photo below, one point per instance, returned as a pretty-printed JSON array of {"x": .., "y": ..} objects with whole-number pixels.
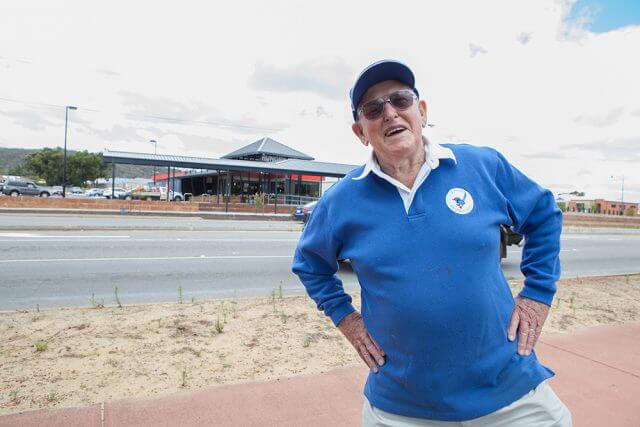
[{"x": 541, "y": 407}]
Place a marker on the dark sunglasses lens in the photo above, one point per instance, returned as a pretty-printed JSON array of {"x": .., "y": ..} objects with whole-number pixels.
[
  {"x": 401, "y": 100},
  {"x": 371, "y": 110}
]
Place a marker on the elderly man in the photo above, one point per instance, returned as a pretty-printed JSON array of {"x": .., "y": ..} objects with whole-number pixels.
[{"x": 444, "y": 339}]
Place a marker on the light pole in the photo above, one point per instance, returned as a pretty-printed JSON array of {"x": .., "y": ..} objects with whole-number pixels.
[
  {"x": 64, "y": 160},
  {"x": 155, "y": 151},
  {"x": 621, "y": 194}
]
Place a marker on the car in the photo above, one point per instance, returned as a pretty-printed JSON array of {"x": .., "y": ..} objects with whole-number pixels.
[
  {"x": 15, "y": 188},
  {"x": 76, "y": 192},
  {"x": 117, "y": 193},
  {"x": 304, "y": 212},
  {"x": 508, "y": 237},
  {"x": 160, "y": 193},
  {"x": 95, "y": 192}
]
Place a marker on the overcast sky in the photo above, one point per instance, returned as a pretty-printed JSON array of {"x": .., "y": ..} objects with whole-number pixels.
[{"x": 552, "y": 84}]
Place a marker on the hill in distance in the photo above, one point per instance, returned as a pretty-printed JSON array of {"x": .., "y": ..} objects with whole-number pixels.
[{"x": 10, "y": 157}]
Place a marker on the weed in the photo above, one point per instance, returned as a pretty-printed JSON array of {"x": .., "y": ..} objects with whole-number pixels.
[
  {"x": 41, "y": 345},
  {"x": 226, "y": 365},
  {"x": 13, "y": 395},
  {"x": 95, "y": 303},
  {"x": 115, "y": 289},
  {"x": 201, "y": 309},
  {"x": 193, "y": 300},
  {"x": 38, "y": 305},
  {"x": 273, "y": 300},
  {"x": 558, "y": 303},
  {"x": 280, "y": 290},
  {"x": 571, "y": 301},
  {"x": 307, "y": 342},
  {"x": 52, "y": 397},
  {"x": 219, "y": 326},
  {"x": 180, "y": 294},
  {"x": 184, "y": 378}
]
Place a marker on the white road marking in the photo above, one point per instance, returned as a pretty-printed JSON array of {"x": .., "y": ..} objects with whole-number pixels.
[
  {"x": 177, "y": 258},
  {"x": 47, "y": 237}
]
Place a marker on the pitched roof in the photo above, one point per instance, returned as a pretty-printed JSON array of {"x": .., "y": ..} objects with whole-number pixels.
[
  {"x": 268, "y": 146},
  {"x": 295, "y": 166}
]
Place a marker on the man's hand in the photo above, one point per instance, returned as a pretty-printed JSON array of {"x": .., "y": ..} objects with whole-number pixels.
[
  {"x": 352, "y": 327},
  {"x": 527, "y": 318}
]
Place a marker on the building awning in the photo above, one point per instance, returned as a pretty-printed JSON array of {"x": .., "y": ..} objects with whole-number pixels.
[{"x": 289, "y": 166}]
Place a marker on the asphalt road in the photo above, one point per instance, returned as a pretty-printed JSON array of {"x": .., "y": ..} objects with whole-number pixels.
[
  {"x": 64, "y": 268},
  {"x": 37, "y": 222}
]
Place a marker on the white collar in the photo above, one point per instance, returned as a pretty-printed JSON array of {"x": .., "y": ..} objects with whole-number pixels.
[{"x": 434, "y": 153}]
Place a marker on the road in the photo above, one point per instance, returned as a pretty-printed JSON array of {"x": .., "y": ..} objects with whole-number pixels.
[{"x": 64, "y": 268}]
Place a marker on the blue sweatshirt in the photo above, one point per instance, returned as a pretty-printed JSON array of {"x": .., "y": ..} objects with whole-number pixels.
[{"x": 433, "y": 294}]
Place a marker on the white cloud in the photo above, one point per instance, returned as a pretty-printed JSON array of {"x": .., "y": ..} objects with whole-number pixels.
[{"x": 513, "y": 75}]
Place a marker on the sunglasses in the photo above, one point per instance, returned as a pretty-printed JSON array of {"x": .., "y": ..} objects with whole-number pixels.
[{"x": 400, "y": 100}]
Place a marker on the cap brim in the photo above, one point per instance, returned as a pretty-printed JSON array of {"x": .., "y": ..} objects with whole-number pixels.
[{"x": 379, "y": 72}]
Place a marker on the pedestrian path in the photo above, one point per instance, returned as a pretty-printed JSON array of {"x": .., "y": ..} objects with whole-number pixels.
[{"x": 597, "y": 376}]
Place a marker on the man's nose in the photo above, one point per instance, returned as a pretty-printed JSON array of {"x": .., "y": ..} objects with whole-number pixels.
[{"x": 389, "y": 112}]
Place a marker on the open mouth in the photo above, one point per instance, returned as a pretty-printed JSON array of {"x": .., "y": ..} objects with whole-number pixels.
[{"x": 395, "y": 130}]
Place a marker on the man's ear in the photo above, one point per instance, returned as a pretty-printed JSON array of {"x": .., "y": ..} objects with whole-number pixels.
[
  {"x": 422, "y": 106},
  {"x": 357, "y": 129}
]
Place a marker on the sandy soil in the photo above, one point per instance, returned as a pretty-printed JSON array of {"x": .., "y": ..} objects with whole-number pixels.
[{"x": 79, "y": 356}]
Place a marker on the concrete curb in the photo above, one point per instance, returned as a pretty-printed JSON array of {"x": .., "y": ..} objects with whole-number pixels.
[{"x": 111, "y": 212}]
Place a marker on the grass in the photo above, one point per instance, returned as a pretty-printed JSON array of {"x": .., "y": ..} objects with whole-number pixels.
[
  {"x": 115, "y": 290},
  {"x": 95, "y": 303},
  {"x": 219, "y": 325},
  {"x": 572, "y": 300},
  {"x": 41, "y": 345},
  {"x": 52, "y": 397},
  {"x": 184, "y": 378}
]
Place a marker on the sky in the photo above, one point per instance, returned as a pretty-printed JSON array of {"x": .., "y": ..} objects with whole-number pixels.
[{"x": 552, "y": 84}]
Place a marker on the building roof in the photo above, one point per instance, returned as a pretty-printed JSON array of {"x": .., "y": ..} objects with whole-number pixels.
[
  {"x": 296, "y": 166},
  {"x": 268, "y": 146}
]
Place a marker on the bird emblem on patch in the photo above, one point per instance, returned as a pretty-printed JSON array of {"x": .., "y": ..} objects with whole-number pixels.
[{"x": 459, "y": 201}]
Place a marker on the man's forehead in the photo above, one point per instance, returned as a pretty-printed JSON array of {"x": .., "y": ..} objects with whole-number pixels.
[{"x": 382, "y": 88}]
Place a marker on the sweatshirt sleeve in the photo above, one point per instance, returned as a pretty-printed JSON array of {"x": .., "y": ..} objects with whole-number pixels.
[
  {"x": 535, "y": 215},
  {"x": 316, "y": 264}
]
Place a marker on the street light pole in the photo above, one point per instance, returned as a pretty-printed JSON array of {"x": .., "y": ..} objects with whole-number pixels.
[
  {"x": 64, "y": 160},
  {"x": 155, "y": 151}
]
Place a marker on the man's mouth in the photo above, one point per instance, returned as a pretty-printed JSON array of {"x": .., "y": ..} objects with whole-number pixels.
[{"x": 394, "y": 130}]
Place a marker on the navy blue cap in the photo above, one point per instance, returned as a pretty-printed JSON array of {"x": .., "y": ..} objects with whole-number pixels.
[{"x": 386, "y": 69}]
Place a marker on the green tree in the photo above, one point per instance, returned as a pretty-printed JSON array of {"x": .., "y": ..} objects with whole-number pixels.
[
  {"x": 83, "y": 166},
  {"x": 45, "y": 164}
]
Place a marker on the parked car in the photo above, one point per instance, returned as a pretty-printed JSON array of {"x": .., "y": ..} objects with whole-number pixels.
[
  {"x": 75, "y": 192},
  {"x": 117, "y": 193},
  {"x": 25, "y": 188},
  {"x": 95, "y": 192},
  {"x": 303, "y": 212},
  {"x": 508, "y": 237},
  {"x": 159, "y": 193}
]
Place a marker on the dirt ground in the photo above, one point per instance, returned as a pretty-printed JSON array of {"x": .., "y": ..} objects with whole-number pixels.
[{"x": 79, "y": 356}]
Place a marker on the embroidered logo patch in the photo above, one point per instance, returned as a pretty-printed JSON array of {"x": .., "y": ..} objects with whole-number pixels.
[{"x": 459, "y": 201}]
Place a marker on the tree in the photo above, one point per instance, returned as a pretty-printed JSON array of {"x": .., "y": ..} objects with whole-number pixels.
[
  {"x": 83, "y": 166},
  {"x": 45, "y": 164}
]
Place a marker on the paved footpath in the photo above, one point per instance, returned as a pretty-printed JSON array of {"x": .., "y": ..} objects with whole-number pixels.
[{"x": 598, "y": 377}]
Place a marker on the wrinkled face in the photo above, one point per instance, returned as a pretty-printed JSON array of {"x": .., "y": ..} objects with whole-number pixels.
[{"x": 396, "y": 134}]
